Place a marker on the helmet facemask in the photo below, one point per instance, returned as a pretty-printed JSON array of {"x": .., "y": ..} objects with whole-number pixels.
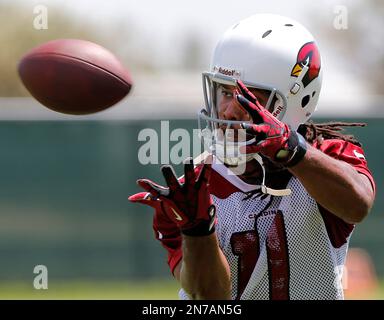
[{"x": 224, "y": 137}]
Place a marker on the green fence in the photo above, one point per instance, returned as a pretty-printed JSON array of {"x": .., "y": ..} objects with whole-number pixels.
[{"x": 63, "y": 200}]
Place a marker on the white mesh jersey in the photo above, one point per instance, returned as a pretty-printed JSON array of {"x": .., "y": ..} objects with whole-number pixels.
[
  {"x": 295, "y": 260},
  {"x": 277, "y": 247}
]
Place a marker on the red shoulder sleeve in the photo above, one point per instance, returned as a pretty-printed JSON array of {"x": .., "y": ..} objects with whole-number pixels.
[
  {"x": 350, "y": 153},
  {"x": 338, "y": 230}
]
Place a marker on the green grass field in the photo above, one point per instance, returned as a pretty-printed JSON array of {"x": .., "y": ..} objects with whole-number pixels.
[{"x": 123, "y": 290}]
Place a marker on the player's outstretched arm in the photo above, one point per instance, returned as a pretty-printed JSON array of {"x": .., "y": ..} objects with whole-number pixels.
[{"x": 203, "y": 271}]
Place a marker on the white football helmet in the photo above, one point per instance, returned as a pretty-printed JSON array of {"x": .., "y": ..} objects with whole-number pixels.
[{"x": 268, "y": 52}]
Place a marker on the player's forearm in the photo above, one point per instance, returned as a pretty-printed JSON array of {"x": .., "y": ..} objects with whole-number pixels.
[
  {"x": 335, "y": 185},
  {"x": 204, "y": 270}
]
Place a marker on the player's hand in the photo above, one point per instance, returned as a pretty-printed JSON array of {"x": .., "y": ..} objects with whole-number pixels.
[
  {"x": 274, "y": 139},
  {"x": 163, "y": 227},
  {"x": 190, "y": 203}
]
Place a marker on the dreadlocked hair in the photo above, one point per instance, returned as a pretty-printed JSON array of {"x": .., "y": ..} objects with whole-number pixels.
[{"x": 329, "y": 130}]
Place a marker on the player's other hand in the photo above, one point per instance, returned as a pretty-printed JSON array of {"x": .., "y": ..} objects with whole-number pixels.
[
  {"x": 274, "y": 139},
  {"x": 190, "y": 205}
]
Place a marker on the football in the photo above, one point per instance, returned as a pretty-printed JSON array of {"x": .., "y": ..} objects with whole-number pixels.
[{"x": 74, "y": 76}]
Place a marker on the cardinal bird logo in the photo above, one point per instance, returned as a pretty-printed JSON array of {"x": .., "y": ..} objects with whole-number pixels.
[{"x": 308, "y": 56}]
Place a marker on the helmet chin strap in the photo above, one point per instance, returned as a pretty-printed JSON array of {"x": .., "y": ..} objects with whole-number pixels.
[
  {"x": 232, "y": 157},
  {"x": 264, "y": 188}
]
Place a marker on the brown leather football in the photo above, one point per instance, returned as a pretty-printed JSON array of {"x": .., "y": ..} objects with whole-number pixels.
[{"x": 74, "y": 76}]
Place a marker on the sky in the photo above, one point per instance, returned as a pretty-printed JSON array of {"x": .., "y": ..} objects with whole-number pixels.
[{"x": 168, "y": 21}]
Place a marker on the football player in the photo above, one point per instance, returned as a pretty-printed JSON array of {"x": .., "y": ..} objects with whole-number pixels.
[{"x": 280, "y": 228}]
